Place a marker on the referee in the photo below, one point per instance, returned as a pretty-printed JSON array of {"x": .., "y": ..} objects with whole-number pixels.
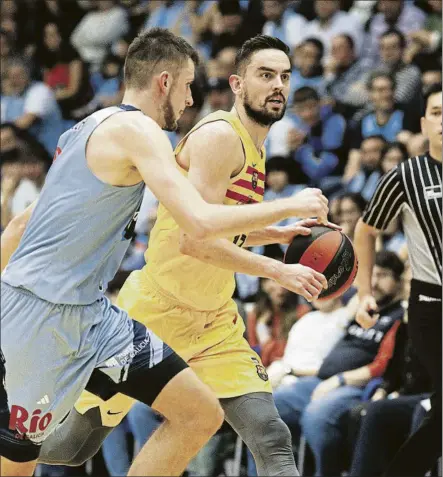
[{"x": 413, "y": 189}]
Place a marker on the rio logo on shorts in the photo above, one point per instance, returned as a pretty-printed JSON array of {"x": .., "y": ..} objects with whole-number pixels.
[{"x": 19, "y": 416}]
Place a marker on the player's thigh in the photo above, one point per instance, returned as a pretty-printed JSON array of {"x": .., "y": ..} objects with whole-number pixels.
[
  {"x": 45, "y": 368},
  {"x": 226, "y": 361}
]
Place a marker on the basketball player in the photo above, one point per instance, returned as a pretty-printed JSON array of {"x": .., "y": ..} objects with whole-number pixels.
[
  {"x": 185, "y": 291},
  {"x": 59, "y": 332},
  {"x": 413, "y": 189}
]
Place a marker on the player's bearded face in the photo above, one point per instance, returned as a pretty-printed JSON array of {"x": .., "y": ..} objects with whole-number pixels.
[
  {"x": 264, "y": 111},
  {"x": 169, "y": 117}
]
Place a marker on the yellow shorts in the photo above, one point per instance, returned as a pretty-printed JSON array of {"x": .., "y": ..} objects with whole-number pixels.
[{"x": 211, "y": 342}]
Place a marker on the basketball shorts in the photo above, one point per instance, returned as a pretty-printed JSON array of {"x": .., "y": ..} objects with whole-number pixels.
[
  {"x": 53, "y": 352},
  {"x": 211, "y": 342}
]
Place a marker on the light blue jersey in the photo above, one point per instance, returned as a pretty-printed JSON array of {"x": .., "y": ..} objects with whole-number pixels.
[{"x": 80, "y": 229}]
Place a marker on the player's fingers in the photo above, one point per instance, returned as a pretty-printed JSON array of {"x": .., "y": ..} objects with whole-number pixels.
[
  {"x": 321, "y": 278},
  {"x": 313, "y": 290},
  {"x": 304, "y": 293},
  {"x": 303, "y": 230}
]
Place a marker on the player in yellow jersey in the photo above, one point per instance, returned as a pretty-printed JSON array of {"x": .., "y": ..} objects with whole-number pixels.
[{"x": 184, "y": 293}]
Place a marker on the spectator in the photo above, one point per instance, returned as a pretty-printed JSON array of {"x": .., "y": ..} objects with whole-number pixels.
[
  {"x": 64, "y": 72},
  {"x": 24, "y": 164},
  {"x": 331, "y": 22},
  {"x": 313, "y": 136},
  {"x": 402, "y": 16},
  {"x": 350, "y": 208},
  {"x": 388, "y": 119},
  {"x": 310, "y": 340},
  {"x": 98, "y": 30},
  {"x": 230, "y": 29},
  {"x": 219, "y": 96},
  {"x": 366, "y": 178},
  {"x": 425, "y": 44},
  {"x": 308, "y": 69},
  {"x": 266, "y": 327},
  {"x": 318, "y": 404},
  {"x": 407, "y": 77},
  {"x": 107, "y": 85},
  {"x": 385, "y": 421},
  {"x": 6, "y": 51},
  {"x": 31, "y": 106},
  {"x": 282, "y": 22},
  {"x": 344, "y": 74},
  {"x": 392, "y": 154},
  {"x": 430, "y": 77}
]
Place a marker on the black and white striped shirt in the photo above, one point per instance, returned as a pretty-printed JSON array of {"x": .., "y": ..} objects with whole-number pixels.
[{"x": 414, "y": 190}]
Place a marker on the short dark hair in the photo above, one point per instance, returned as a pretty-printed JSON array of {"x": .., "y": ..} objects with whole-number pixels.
[
  {"x": 355, "y": 197},
  {"x": 380, "y": 74},
  {"x": 433, "y": 89},
  {"x": 398, "y": 33},
  {"x": 305, "y": 93},
  {"x": 349, "y": 40},
  {"x": 229, "y": 7},
  {"x": 317, "y": 43},
  {"x": 394, "y": 145},
  {"x": 391, "y": 261},
  {"x": 257, "y": 43},
  {"x": 151, "y": 48}
]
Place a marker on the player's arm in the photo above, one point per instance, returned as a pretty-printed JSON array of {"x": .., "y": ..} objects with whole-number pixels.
[
  {"x": 13, "y": 234},
  {"x": 283, "y": 234},
  {"x": 211, "y": 178},
  {"x": 150, "y": 151},
  {"x": 384, "y": 206}
]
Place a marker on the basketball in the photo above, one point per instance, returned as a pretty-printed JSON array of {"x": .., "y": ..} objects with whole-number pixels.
[{"x": 329, "y": 252}]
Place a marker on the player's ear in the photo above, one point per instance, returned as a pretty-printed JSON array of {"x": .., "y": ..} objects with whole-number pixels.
[
  {"x": 164, "y": 81},
  {"x": 236, "y": 83}
]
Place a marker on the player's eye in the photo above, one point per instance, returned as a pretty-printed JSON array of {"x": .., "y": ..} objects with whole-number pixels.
[
  {"x": 285, "y": 77},
  {"x": 266, "y": 75}
]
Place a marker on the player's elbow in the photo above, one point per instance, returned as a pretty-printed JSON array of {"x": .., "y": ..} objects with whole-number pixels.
[{"x": 186, "y": 244}]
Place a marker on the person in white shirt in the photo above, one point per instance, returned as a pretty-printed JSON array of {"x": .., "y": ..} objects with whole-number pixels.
[
  {"x": 331, "y": 22},
  {"x": 283, "y": 23},
  {"x": 98, "y": 30},
  {"x": 311, "y": 339}
]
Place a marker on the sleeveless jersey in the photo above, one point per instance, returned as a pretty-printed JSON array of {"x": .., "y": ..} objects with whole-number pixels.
[
  {"x": 193, "y": 283},
  {"x": 80, "y": 229}
]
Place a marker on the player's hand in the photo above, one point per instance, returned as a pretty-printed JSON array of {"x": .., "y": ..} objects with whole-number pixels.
[
  {"x": 367, "y": 313},
  {"x": 287, "y": 233},
  {"x": 311, "y": 203},
  {"x": 302, "y": 280}
]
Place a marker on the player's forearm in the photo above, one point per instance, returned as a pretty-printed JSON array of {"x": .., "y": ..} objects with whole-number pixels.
[
  {"x": 266, "y": 236},
  {"x": 224, "y": 254},
  {"x": 364, "y": 243},
  {"x": 12, "y": 235},
  {"x": 222, "y": 221}
]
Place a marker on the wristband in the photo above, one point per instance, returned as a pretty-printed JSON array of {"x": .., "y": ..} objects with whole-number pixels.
[{"x": 341, "y": 379}]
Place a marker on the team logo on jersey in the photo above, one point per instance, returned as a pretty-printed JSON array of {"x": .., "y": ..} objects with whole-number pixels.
[
  {"x": 261, "y": 371},
  {"x": 254, "y": 179},
  {"x": 433, "y": 192},
  {"x": 31, "y": 426}
]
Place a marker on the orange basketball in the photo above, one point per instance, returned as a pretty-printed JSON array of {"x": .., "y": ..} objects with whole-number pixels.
[{"x": 329, "y": 252}]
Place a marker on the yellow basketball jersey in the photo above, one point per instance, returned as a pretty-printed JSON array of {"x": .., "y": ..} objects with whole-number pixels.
[{"x": 189, "y": 281}]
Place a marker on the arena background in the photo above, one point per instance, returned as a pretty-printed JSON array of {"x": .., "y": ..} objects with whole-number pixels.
[{"x": 63, "y": 60}]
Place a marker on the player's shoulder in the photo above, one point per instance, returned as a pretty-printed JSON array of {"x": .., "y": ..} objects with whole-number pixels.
[{"x": 218, "y": 134}]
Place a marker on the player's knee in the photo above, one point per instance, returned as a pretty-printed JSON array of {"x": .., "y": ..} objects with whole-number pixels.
[
  {"x": 208, "y": 416},
  {"x": 276, "y": 437}
]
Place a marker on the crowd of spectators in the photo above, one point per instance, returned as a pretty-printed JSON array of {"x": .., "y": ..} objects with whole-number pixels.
[{"x": 359, "y": 68}]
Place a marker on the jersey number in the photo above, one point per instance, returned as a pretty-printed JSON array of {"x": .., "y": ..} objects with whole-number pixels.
[{"x": 240, "y": 240}]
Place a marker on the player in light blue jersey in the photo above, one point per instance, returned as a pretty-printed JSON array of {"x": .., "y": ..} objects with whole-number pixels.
[{"x": 60, "y": 334}]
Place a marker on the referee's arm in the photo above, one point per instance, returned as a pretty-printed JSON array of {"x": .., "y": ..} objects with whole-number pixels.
[{"x": 384, "y": 206}]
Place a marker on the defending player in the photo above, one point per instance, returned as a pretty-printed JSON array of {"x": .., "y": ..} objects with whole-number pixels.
[
  {"x": 185, "y": 291},
  {"x": 60, "y": 333}
]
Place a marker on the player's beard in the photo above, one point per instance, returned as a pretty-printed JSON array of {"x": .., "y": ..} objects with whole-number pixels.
[
  {"x": 169, "y": 119},
  {"x": 262, "y": 116}
]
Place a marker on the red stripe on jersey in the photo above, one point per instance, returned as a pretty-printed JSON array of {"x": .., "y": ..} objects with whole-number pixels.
[
  {"x": 260, "y": 175},
  {"x": 248, "y": 185},
  {"x": 230, "y": 194}
]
